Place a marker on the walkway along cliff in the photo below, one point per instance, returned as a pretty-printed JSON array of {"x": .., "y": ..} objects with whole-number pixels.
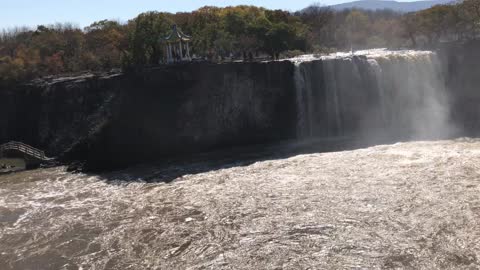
[
  {"x": 32, "y": 157},
  {"x": 121, "y": 119}
]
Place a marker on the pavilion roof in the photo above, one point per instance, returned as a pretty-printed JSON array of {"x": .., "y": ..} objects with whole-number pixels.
[{"x": 177, "y": 35}]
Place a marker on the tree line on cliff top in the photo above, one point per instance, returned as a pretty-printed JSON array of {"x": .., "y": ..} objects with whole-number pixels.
[{"x": 224, "y": 32}]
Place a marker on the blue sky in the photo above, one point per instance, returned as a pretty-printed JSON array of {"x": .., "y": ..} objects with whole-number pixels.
[{"x": 83, "y": 12}]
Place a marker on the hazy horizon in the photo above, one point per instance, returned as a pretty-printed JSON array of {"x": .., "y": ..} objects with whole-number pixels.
[{"x": 24, "y": 13}]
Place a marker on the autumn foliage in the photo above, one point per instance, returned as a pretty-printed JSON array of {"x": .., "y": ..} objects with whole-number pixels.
[{"x": 232, "y": 32}]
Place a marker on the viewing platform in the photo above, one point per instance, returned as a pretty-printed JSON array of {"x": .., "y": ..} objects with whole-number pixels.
[{"x": 32, "y": 156}]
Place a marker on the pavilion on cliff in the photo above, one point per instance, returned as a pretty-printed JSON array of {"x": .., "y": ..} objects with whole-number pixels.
[{"x": 177, "y": 48}]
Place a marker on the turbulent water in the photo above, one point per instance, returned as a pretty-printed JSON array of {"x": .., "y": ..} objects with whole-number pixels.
[
  {"x": 372, "y": 94},
  {"x": 409, "y": 205}
]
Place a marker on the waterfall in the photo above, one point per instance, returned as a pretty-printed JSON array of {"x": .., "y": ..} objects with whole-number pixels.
[
  {"x": 332, "y": 101},
  {"x": 302, "y": 105},
  {"x": 374, "y": 94}
]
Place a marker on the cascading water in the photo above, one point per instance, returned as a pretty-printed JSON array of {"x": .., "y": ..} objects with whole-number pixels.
[{"x": 375, "y": 94}]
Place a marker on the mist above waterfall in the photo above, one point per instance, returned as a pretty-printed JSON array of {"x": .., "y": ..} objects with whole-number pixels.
[{"x": 374, "y": 95}]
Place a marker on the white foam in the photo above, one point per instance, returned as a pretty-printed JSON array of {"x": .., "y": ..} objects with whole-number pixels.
[{"x": 371, "y": 53}]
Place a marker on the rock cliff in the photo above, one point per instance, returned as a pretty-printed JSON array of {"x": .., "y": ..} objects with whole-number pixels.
[
  {"x": 121, "y": 119},
  {"x": 116, "y": 120}
]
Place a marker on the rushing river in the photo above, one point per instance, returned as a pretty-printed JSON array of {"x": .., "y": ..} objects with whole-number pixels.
[{"x": 408, "y": 205}]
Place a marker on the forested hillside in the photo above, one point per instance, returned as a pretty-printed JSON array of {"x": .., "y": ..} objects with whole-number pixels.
[
  {"x": 224, "y": 32},
  {"x": 391, "y": 4}
]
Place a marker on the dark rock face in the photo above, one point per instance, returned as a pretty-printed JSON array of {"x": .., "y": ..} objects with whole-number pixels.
[
  {"x": 120, "y": 120},
  {"x": 186, "y": 109},
  {"x": 462, "y": 66},
  {"x": 54, "y": 115}
]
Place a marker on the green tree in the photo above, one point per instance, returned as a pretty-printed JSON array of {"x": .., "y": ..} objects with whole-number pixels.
[
  {"x": 105, "y": 41},
  {"x": 279, "y": 38},
  {"x": 145, "y": 47},
  {"x": 356, "y": 28},
  {"x": 469, "y": 12}
]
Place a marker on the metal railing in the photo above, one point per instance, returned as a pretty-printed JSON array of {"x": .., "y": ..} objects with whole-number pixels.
[{"x": 23, "y": 148}]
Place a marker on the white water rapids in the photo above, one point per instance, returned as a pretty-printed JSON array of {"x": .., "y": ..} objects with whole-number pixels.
[{"x": 409, "y": 205}]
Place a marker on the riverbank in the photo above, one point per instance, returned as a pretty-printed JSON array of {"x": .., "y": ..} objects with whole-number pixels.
[{"x": 11, "y": 165}]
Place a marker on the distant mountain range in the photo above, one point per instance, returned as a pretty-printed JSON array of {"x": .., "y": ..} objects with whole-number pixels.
[{"x": 393, "y": 5}]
